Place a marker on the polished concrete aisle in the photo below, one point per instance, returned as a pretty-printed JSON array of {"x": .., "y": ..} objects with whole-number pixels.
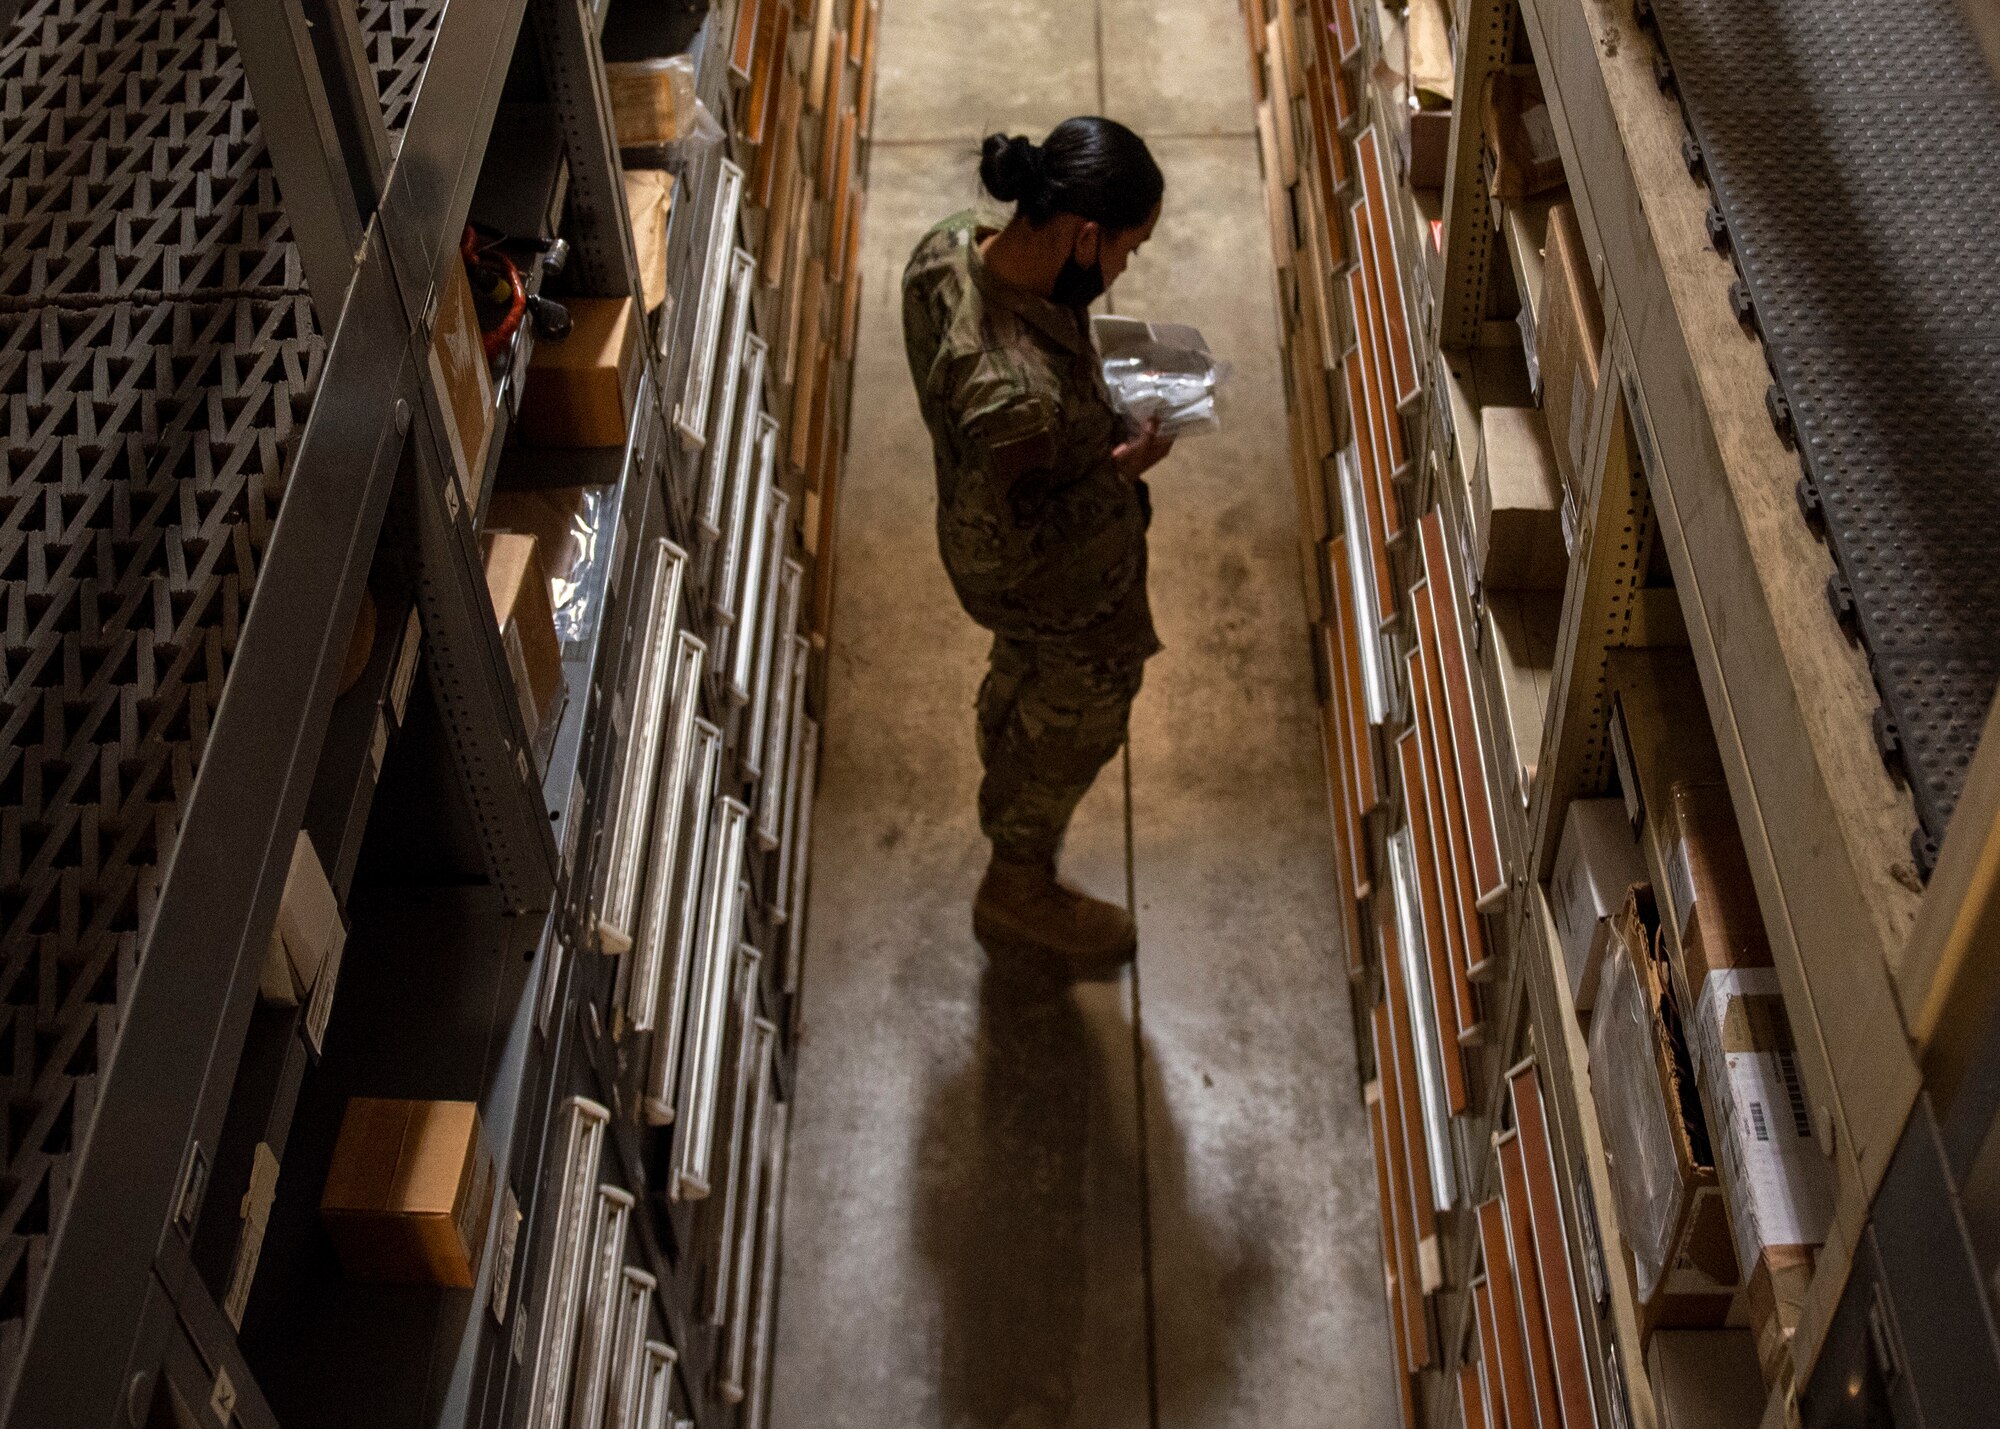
[{"x": 1135, "y": 1204}]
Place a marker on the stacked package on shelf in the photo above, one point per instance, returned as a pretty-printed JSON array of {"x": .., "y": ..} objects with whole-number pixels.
[
  {"x": 1775, "y": 1181},
  {"x": 1662, "y": 1166}
]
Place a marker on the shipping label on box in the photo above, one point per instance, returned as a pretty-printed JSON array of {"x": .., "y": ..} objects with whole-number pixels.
[{"x": 1780, "y": 1194}]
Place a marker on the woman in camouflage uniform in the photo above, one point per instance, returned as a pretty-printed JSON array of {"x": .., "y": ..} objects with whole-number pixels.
[{"x": 1041, "y": 511}]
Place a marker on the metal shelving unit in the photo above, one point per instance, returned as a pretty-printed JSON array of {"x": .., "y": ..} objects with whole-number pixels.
[
  {"x": 1685, "y": 481},
  {"x": 225, "y": 422}
]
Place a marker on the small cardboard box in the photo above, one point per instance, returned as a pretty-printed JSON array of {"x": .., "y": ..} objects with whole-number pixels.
[
  {"x": 1597, "y": 866},
  {"x": 1517, "y": 503},
  {"x": 308, "y": 932},
  {"x": 1660, "y": 734},
  {"x": 1670, "y": 1202},
  {"x": 1705, "y": 1379},
  {"x": 1569, "y": 340},
  {"x": 580, "y": 390},
  {"x": 1712, "y": 902},
  {"x": 1521, "y": 158},
  {"x": 521, "y": 607},
  {"x": 458, "y": 355},
  {"x": 408, "y": 1195},
  {"x": 1429, "y": 147},
  {"x": 1778, "y": 1188}
]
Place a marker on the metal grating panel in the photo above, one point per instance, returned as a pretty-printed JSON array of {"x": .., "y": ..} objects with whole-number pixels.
[
  {"x": 399, "y": 37},
  {"x": 1853, "y": 150},
  {"x": 158, "y": 356}
]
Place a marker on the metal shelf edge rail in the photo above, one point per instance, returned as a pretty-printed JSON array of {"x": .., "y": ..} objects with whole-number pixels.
[{"x": 139, "y": 1174}]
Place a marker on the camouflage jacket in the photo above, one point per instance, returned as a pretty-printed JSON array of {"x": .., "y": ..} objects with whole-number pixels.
[{"x": 1044, "y": 538}]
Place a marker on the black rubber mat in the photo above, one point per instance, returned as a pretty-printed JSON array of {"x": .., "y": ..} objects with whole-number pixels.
[{"x": 1853, "y": 150}]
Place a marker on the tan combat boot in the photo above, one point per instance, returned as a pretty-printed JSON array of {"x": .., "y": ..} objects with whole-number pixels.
[{"x": 1022, "y": 909}]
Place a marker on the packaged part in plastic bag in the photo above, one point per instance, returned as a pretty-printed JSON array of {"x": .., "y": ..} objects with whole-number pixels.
[
  {"x": 1162, "y": 370},
  {"x": 652, "y": 101}
]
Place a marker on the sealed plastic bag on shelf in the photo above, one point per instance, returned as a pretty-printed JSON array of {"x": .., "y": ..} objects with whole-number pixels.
[
  {"x": 1162, "y": 370},
  {"x": 652, "y": 101}
]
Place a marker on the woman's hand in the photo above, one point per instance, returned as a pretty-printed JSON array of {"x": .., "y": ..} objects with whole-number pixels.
[{"x": 1142, "y": 451}]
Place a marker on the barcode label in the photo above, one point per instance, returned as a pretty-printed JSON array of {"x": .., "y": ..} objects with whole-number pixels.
[
  {"x": 1680, "y": 886},
  {"x": 1759, "y": 1128},
  {"x": 1795, "y": 1093}
]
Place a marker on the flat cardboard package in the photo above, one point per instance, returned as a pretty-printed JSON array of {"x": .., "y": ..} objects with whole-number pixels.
[
  {"x": 1660, "y": 735},
  {"x": 308, "y": 933},
  {"x": 407, "y": 1197},
  {"x": 520, "y": 590},
  {"x": 1705, "y": 1379},
  {"x": 1521, "y": 156},
  {"x": 649, "y": 199},
  {"x": 1670, "y": 1203},
  {"x": 580, "y": 390},
  {"x": 1597, "y": 865},
  {"x": 1569, "y": 340},
  {"x": 458, "y": 356},
  {"x": 1517, "y": 503}
]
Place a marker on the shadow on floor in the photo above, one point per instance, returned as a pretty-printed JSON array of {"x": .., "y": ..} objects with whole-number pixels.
[{"x": 1028, "y": 1216}]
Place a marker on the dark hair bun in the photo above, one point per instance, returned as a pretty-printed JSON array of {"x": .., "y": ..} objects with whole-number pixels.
[{"x": 1010, "y": 167}]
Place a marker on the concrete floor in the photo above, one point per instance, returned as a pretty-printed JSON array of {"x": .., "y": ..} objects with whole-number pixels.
[{"x": 1134, "y": 1204}]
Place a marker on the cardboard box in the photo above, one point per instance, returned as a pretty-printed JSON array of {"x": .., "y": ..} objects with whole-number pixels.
[
  {"x": 560, "y": 518},
  {"x": 1521, "y": 157},
  {"x": 408, "y": 1195},
  {"x": 1670, "y": 1203},
  {"x": 580, "y": 390},
  {"x": 1710, "y": 898},
  {"x": 1517, "y": 503},
  {"x": 308, "y": 933},
  {"x": 1705, "y": 1379},
  {"x": 1597, "y": 866},
  {"x": 458, "y": 360},
  {"x": 1777, "y": 1185},
  {"x": 520, "y": 590},
  {"x": 1660, "y": 733},
  {"x": 1569, "y": 339},
  {"x": 649, "y": 200}
]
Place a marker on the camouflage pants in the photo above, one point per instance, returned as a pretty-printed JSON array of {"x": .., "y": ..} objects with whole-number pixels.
[{"x": 1047, "y": 724}]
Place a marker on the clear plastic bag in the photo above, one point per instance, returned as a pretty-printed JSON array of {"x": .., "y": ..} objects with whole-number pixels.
[
  {"x": 1162, "y": 370},
  {"x": 652, "y": 101}
]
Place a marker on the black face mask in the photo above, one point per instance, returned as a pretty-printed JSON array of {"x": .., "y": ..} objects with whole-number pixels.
[{"x": 1076, "y": 285}]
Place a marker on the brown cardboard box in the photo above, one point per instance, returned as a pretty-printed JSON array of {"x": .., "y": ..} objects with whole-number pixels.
[
  {"x": 408, "y": 1194},
  {"x": 521, "y": 608},
  {"x": 1710, "y": 897},
  {"x": 1521, "y": 157},
  {"x": 580, "y": 390},
  {"x": 1670, "y": 1204},
  {"x": 1705, "y": 1379},
  {"x": 1569, "y": 339},
  {"x": 555, "y": 516},
  {"x": 1517, "y": 503},
  {"x": 308, "y": 932},
  {"x": 1660, "y": 734},
  {"x": 458, "y": 356}
]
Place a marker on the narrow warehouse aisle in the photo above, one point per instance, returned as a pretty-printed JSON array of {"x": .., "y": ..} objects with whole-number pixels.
[{"x": 989, "y": 1222}]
